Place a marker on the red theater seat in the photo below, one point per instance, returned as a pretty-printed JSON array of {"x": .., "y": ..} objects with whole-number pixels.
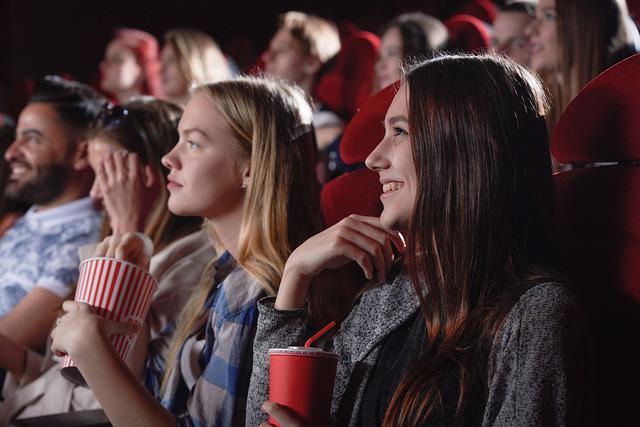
[
  {"x": 484, "y": 10},
  {"x": 598, "y": 218},
  {"x": 468, "y": 33},
  {"x": 358, "y": 192},
  {"x": 348, "y": 84}
]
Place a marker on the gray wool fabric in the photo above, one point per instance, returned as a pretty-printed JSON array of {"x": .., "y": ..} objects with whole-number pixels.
[{"x": 539, "y": 366}]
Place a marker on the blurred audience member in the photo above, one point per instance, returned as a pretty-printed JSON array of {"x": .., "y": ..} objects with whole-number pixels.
[
  {"x": 509, "y": 30},
  {"x": 131, "y": 65},
  {"x": 190, "y": 58},
  {"x": 412, "y": 35},
  {"x": 301, "y": 48},
  {"x": 49, "y": 169},
  {"x": 10, "y": 210},
  {"x": 572, "y": 41}
]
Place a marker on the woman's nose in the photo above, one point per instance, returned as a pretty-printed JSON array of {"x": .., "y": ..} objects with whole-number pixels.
[{"x": 377, "y": 160}]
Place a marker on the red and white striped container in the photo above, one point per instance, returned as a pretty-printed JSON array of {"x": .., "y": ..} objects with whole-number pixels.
[{"x": 120, "y": 291}]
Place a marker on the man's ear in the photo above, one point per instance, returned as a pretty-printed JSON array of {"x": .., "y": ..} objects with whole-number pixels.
[
  {"x": 311, "y": 65},
  {"x": 80, "y": 160}
]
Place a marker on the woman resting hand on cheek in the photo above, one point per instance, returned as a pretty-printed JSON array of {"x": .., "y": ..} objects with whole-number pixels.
[{"x": 471, "y": 327}]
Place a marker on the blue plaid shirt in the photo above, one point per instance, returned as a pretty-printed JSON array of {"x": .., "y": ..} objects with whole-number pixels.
[{"x": 209, "y": 384}]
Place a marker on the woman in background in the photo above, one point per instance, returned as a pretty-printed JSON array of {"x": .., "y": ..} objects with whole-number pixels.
[
  {"x": 190, "y": 58},
  {"x": 131, "y": 65},
  {"x": 412, "y": 35},
  {"x": 572, "y": 41}
]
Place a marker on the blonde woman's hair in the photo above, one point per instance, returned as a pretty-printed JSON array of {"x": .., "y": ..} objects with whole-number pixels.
[
  {"x": 199, "y": 57},
  {"x": 318, "y": 37},
  {"x": 271, "y": 123}
]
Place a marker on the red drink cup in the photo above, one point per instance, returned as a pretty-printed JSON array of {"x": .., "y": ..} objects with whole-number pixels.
[
  {"x": 302, "y": 379},
  {"x": 120, "y": 291}
]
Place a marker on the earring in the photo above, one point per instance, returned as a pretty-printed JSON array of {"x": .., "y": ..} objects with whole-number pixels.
[{"x": 243, "y": 186}]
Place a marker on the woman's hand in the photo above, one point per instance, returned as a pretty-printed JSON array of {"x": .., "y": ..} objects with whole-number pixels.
[
  {"x": 282, "y": 415},
  {"x": 121, "y": 179},
  {"x": 79, "y": 332},
  {"x": 356, "y": 238},
  {"x": 128, "y": 247}
]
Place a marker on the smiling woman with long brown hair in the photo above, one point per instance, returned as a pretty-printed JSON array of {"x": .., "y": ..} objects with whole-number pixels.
[{"x": 472, "y": 327}]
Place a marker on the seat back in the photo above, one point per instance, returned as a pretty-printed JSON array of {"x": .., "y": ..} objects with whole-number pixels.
[
  {"x": 485, "y": 10},
  {"x": 468, "y": 33},
  {"x": 348, "y": 84},
  {"x": 358, "y": 192},
  {"x": 598, "y": 221}
]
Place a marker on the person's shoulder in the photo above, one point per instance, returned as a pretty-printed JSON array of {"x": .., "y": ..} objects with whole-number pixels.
[
  {"x": 546, "y": 299},
  {"x": 546, "y": 312}
]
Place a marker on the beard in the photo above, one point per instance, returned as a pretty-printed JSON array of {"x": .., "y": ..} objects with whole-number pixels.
[{"x": 46, "y": 184}]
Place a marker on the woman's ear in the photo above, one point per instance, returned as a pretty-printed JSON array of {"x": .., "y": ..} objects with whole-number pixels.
[
  {"x": 81, "y": 156},
  {"x": 246, "y": 174}
]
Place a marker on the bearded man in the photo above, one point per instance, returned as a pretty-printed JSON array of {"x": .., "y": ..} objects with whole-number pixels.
[{"x": 49, "y": 170}]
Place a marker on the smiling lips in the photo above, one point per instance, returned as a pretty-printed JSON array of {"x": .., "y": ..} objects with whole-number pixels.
[
  {"x": 18, "y": 169},
  {"x": 391, "y": 186}
]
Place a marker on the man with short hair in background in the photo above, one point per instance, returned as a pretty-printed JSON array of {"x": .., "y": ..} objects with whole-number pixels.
[{"x": 49, "y": 170}]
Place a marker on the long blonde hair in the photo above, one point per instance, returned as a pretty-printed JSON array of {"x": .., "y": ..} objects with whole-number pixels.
[
  {"x": 271, "y": 123},
  {"x": 200, "y": 59}
]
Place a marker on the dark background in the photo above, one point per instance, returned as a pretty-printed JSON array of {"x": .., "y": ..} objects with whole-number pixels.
[{"x": 43, "y": 37}]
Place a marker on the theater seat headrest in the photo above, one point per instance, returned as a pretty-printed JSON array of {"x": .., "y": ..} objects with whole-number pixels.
[
  {"x": 365, "y": 130},
  {"x": 602, "y": 123},
  {"x": 343, "y": 88},
  {"x": 468, "y": 33},
  {"x": 481, "y": 9}
]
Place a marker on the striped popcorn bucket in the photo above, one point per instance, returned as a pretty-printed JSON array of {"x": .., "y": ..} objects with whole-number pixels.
[{"x": 118, "y": 290}]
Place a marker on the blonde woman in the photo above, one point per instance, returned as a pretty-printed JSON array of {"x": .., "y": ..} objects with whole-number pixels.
[
  {"x": 190, "y": 58},
  {"x": 244, "y": 162}
]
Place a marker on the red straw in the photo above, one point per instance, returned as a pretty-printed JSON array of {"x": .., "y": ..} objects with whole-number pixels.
[{"x": 320, "y": 333}]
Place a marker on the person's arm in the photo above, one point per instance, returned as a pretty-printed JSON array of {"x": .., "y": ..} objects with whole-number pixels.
[
  {"x": 283, "y": 322},
  {"x": 540, "y": 372},
  {"x": 30, "y": 321},
  {"x": 12, "y": 357},
  {"x": 356, "y": 238},
  {"x": 84, "y": 337}
]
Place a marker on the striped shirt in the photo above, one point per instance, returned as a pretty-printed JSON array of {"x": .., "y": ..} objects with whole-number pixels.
[{"x": 209, "y": 384}]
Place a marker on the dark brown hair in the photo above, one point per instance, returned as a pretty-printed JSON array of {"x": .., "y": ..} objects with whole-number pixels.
[
  {"x": 422, "y": 34},
  {"x": 481, "y": 218},
  {"x": 148, "y": 127}
]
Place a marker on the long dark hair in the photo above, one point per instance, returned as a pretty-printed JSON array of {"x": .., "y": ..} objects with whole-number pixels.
[
  {"x": 481, "y": 218},
  {"x": 592, "y": 35}
]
